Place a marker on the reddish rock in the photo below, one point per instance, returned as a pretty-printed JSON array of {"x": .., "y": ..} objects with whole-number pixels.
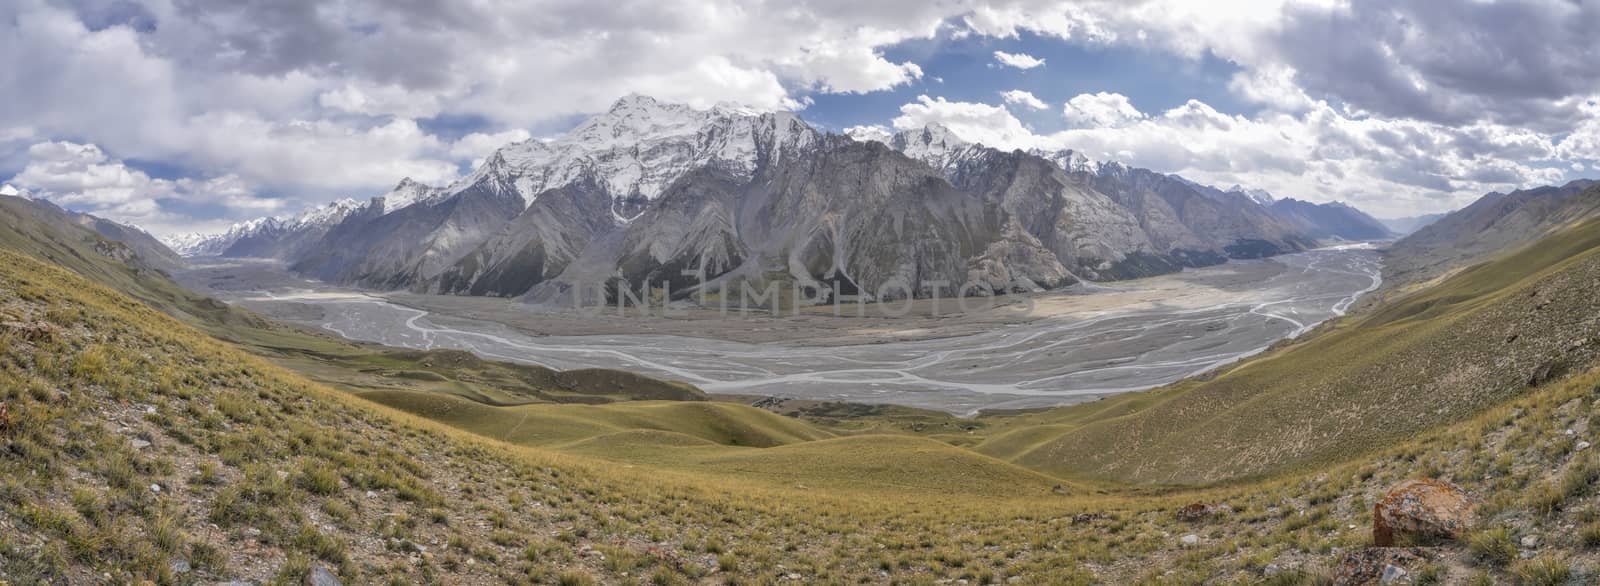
[
  {"x": 1422, "y": 509},
  {"x": 30, "y": 331}
]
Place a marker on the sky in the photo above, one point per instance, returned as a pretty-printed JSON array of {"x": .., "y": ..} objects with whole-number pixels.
[{"x": 186, "y": 115}]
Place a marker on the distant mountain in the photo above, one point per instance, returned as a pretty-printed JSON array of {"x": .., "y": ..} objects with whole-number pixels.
[
  {"x": 276, "y": 237},
  {"x": 1333, "y": 220},
  {"x": 1259, "y": 196},
  {"x": 648, "y": 190},
  {"x": 1497, "y": 222},
  {"x": 1409, "y": 224}
]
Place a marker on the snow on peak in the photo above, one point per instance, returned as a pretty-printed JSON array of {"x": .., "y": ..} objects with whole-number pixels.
[
  {"x": 869, "y": 133},
  {"x": 933, "y": 144},
  {"x": 409, "y": 192},
  {"x": 14, "y": 191},
  {"x": 213, "y": 244},
  {"x": 1072, "y": 161},
  {"x": 640, "y": 145},
  {"x": 1259, "y": 196}
]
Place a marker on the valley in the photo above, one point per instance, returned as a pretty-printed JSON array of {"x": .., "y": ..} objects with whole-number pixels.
[{"x": 1045, "y": 350}]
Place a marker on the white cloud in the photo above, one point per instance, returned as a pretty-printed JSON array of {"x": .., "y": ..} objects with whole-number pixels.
[
  {"x": 1023, "y": 98},
  {"x": 1022, "y": 61},
  {"x": 391, "y": 100},
  {"x": 82, "y": 177},
  {"x": 1384, "y": 166},
  {"x": 295, "y": 101},
  {"x": 479, "y": 145},
  {"x": 991, "y": 125},
  {"x": 1100, "y": 109}
]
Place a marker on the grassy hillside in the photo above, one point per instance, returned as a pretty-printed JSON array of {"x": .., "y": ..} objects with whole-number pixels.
[
  {"x": 138, "y": 448},
  {"x": 1437, "y": 355}
]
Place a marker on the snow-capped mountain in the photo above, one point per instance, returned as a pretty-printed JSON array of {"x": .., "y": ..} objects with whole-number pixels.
[
  {"x": 271, "y": 237},
  {"x": 639, "y": 146},
  {"x": 647, "y": 189},
  {"x": 1105, "y": 220},
  {"x": 1259, "y": 196},
  {"x": 14, "y": 191},
  {"x": 408, "y": 193}
]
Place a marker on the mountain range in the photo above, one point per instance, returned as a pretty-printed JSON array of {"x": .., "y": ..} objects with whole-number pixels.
[
  {"x": 1495, "y": 223},
  {"x": 649, "y": 191}
]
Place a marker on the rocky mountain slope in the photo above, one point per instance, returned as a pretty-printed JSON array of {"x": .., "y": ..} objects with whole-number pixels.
[
  {"x": 649, "y": 190},
  {"x": 1331, "y": 220},
  {"x": 1496, "y": 223}
]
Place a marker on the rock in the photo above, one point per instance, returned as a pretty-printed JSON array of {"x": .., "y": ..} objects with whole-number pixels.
[
  {"x": 1422, "y": 509},
  {"x": 1376, "y": 564},
  {"x": 1198, "y": 511},
  {"x": 155, "y": 488},
  {"x": 1190, "y": 540},
  {"x": 1530, "y": 541},
  {"x": 1582, "y": 446},
  {"x": 320, "y": 576},
  {"x": 139, "y": 444},
  {"x": 31, "y": 331},
  {"x": 1086, "y": 518},
  {"x": 1272, "y": 570},
  {"x": 180, "y": 566}
]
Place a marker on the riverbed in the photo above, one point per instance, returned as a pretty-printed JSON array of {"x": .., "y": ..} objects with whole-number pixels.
[{"x": 1055, "y": 349}]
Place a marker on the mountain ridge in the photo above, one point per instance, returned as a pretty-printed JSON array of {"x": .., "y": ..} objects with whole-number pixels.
[{"x": 530, "y": 214}]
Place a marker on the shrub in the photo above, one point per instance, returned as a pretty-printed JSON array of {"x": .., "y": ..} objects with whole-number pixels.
[{"x": 1493, "y": 547}]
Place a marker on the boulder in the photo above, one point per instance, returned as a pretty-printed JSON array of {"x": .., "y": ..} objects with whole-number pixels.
[
  {"x": 1087, "y": 518},
  {"x": 1422, "y": 509},
  {"x": 34, "y": 331},
  {"x": 321, "y": 576}
]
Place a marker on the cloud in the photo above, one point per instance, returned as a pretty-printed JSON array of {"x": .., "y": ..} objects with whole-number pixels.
[
  {"x": 1100, "y": 109},
  {"x": 83, "y": 177},
  {"x": 1022, "y": 98},
  {"x": 1384, "y": 166},
  {"x": 1022, "y": 61},
  {"x": 1521, "y": 62},
  {"x": 316, "y": 100},
  {"x": 991, "y": 125},
  {"x": 478, "y": 146}
]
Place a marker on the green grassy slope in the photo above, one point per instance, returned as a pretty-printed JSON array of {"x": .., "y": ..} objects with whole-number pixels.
[
  {"x": 1437, "y": 355},
  {"x": 555, "y": 425},
  {"x": 259, "y": 474}
]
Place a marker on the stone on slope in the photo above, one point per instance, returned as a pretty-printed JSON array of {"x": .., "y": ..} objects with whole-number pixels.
[{"x": 1422, "y": 509}]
